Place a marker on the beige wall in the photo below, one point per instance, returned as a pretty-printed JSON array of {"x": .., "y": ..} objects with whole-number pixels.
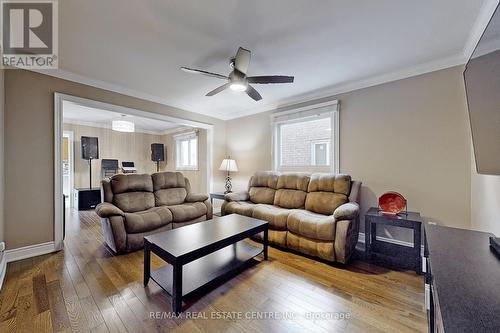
[
  {"x": 2, "y": 160},
  {"x": 411, "y": 136},
  {"x": 134, "y": 147},
  {"x": 29, "y": 153}
]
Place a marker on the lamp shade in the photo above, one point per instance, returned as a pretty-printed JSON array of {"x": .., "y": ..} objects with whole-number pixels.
[{"x": 228, "y": 165}]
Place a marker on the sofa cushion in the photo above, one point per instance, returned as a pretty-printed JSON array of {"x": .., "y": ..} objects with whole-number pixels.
[
  {"x": 170, "y": 196},
  {"x": 132, "y": 202},
  {"x": 290, "y": 198},
  {"x": 327, "y": 182},
  {"x": 324, "y": 202},
  {"x": 312, "y": 225},
  {"x": 122, "y": 183},
  {"x": 294, "y": 181},
  {"x": 170, "y": 188},
  {"x": 276, "y": 216},
  {"x": 239, "y": 207},
  {"x": 264, "y": 179},
  {"x": 147, "y": 220},
  {"x": 291, "y": 191},
  {"x": 163, "y": 180},
  {"x": 261, "y": 195},
  {"x": 188, "y": 211}
]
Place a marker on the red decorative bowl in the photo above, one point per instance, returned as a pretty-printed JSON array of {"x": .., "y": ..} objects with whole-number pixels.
[{"x": 392, "y": 203}]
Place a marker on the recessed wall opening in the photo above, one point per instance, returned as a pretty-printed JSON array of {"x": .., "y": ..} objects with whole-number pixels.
[{"x": 95, "y": 140}]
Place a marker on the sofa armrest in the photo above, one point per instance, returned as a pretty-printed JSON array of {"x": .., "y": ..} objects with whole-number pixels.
[
  {"x": 237, "y": 196},
  {"x": 347, "y": 211},
  {"x": 106, "y": 209},
  {"x": 196, "y": 197}
]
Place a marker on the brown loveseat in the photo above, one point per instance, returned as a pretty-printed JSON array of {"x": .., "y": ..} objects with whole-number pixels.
[
  {"x": 134, "y": 206},
  {"x": 316, "y": 214}
]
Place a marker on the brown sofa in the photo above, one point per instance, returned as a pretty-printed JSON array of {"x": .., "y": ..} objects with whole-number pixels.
[
  {"x": 316, "y": 214},
  {"x": 135, "y": 205}
]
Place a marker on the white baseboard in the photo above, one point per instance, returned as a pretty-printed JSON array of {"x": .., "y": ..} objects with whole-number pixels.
[
  {"x": 23, "y": 253},
  {"x": 361, "y": 239},
  {"x": 3, "y": 267},
  {"x": 29, "y": 251}
]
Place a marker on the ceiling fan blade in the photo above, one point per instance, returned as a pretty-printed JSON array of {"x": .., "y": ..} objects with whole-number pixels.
[
  {"x": 270, "y": 79},
  {"x": 242, "y": 60},
  {"x": 218, "y": 89},
  {"x": 199, "y": 71},
  {"x": 253, "y": 93}
]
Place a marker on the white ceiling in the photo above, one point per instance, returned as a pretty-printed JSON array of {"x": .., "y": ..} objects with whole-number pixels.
[
  {"x": 82, "y": 115},
  {"x": 137, "y": 47}
]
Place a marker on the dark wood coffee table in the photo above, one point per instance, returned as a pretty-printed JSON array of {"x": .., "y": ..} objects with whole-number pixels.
[{"x": 201, "y": 252}]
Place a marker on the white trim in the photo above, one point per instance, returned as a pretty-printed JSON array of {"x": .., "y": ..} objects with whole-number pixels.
[
  {"x": 176, "y": 130},
  {"x": 210, "y": 160},
  {"x": 485, "y": 13},
  {"x": 361, "y": 239},
  {"x": 185, "y": 135},
  {"x": 134, "y": 112},
  {"x": 58, "y": 116},
  {"x": 308, "y": 107},
  {"x": 3, "y": 267},
  {"x": 30, "y": 251},
  {"x": 419, "y": 69},
  {"x": 58, "y": 184}
]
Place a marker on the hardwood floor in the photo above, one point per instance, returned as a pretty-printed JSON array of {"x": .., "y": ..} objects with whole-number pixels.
[{"x": 85, "y": 288}]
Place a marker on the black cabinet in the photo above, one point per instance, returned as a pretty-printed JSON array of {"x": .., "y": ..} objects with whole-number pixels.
[
  {"x": 462, "y": 275},
  {"x": 87, "y": 198},
  {"x": 393, "y": 254}
]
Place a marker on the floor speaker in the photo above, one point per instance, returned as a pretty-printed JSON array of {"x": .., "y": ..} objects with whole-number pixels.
[
  {"x": 157, "y": 152},
  {"x": 90, "y": 148}
]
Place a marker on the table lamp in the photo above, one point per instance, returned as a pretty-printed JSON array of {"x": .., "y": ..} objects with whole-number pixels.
[{"x": 228, "y": 165}]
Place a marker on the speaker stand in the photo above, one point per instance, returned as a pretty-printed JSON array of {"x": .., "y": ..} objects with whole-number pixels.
[
  {"x": 90, "y": 173},
  {"x": 157, "y": 166}
]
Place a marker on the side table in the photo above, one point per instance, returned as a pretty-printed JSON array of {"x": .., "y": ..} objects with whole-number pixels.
[
  {"x": 218, "y": 196},
  {"x": 393, "y": 254}
]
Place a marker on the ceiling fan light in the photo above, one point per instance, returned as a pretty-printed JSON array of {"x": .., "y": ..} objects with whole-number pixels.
[
  {"x": 238, "y": 86},
  {"x": 123, "y": 126}
]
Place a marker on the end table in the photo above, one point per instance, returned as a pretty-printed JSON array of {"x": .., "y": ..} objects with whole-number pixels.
[
  {"x": 393, "y": 254},
  {"x": 218, "y": 196}
]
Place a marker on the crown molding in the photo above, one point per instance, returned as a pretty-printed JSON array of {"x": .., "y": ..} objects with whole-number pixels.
[
  {"x": 335, "y": 90},
  {"x": 485, "y": 13},
  {"x": 484, "y": 16},
  {"x": 105, "y": 85}
]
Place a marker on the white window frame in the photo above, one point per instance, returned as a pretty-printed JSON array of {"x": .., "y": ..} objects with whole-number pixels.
[
  {"x": 179, "y": 138},
  {"x": 328, "y": 109},
  {"x": 313, "y": 152}
]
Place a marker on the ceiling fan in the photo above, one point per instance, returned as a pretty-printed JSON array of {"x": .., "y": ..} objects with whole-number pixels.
[{"x": 238, "y": 79}]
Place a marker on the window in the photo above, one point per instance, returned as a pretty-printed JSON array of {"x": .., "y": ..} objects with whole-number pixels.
[
  {"x": 186, "y": 146},
  {"x": 306, "y": 139}
]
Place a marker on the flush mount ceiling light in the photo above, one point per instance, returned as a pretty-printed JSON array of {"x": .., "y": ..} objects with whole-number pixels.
[{"x": 123, "y": 126}]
